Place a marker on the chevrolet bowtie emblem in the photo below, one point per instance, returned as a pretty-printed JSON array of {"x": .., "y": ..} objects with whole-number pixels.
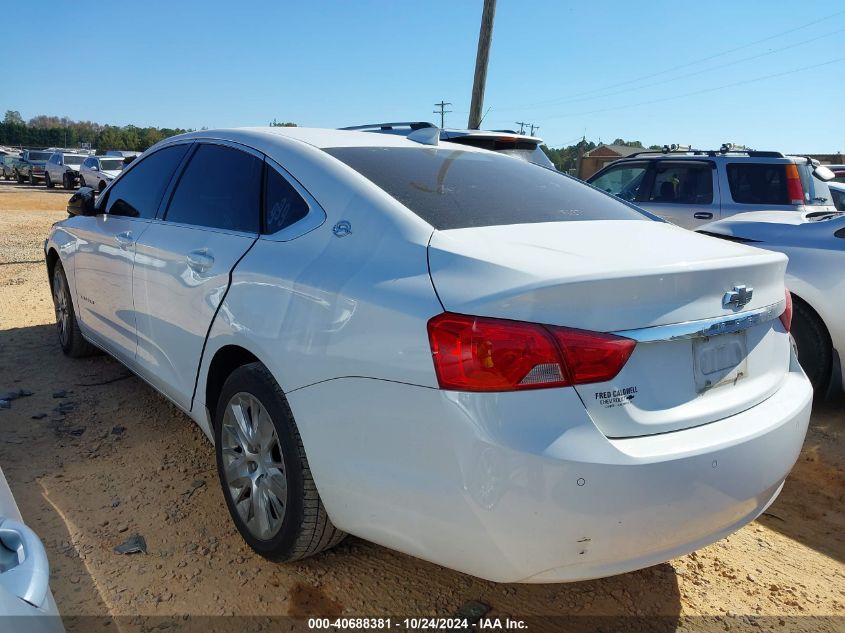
[{"x": 738, "y": 297}]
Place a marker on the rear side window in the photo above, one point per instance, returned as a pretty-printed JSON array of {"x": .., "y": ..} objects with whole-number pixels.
[
  {"x": 758, "y": 183},
  {"x": 453, "y": 189},
  {"x": 138, "y": 193},
  {"x": 690, "y": 183},
  {"x": 220, "y": 188},
  {"x": 282, "y": 203}
]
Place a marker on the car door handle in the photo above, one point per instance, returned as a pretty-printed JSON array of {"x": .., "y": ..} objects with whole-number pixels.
[
  {"x": 124, "y": 239},
  {"x": 200, "y": 260},
  {"x": 703, "y": 216}
]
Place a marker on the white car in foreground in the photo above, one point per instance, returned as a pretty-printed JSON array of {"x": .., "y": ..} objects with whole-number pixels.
[
  {"x": 468, "y": 358},
  {"x": 815, "y": 245},
  {"x": 98, "y": 171},
  {"x": 26, "y": 602}
]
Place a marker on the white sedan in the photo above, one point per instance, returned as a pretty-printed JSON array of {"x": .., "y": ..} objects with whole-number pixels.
[
  {"x": 815, "y": 245},
  {"x": 98, "y": 171},
  {"x": 467, "y": 358}
]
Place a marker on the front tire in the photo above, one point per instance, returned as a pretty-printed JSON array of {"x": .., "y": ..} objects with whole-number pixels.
[
  {"x": 31, "y": 179},
  {"x": 264, "y": 472},
  {"x": 70, "y": 338},
  {"x": 67, "y": 183},
  {"x": 82, "y": 181},
  {"x": 101, "y": 186},
  {"x": 48, "y": 181},
  {"x": 813, "y": 344},
  {"x": 19, "y": 177}
]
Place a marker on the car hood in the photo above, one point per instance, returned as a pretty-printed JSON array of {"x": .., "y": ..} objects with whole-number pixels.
[{"x": 111, "y": 173}]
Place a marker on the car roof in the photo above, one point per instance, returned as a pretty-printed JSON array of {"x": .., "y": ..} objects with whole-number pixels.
[{"x": 321, "y": 138}]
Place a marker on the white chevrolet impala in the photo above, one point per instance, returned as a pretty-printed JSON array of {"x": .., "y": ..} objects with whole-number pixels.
[{"x": 462, "y": 356}]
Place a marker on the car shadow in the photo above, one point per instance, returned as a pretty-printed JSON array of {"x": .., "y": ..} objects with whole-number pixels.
[
  {"x": 810, "y": 508},
  {"x": 122, "y": 460}
]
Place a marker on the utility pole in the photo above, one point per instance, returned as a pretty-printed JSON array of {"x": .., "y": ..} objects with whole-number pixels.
[
  {"x": 521, "y": 125},
  {"x": 482, "y": 56},
  {"x": 534, "y": 127},
  {"x": 442, "y": 112}
]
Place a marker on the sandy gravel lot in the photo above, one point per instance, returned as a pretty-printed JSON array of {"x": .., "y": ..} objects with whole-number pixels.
[{"x": 117, "y": 459}]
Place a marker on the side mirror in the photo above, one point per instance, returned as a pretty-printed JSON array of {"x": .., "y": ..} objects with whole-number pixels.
[
  {"x": 82, "y": 202},
  {"x": 823, "y": 172}
]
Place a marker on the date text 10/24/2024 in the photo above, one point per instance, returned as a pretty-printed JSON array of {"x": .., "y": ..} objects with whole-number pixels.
[{"x": 417, "y": 624}]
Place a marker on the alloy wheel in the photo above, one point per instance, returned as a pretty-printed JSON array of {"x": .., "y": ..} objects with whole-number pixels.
[
  {"x": 253, "y": 465},
  {"x": 60, "y": 303}
]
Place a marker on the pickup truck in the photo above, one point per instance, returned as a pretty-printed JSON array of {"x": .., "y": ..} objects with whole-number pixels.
[{"x": 31, "y": 166}]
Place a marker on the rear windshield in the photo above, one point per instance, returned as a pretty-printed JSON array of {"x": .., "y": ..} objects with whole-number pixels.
[
  {"x": 454, "y": 189},
  {"x": 73, "y": 159},
  {"x": 39, "y": 155}
]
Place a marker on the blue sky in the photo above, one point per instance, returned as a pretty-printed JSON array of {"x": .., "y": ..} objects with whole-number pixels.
[{"x": 657, "y": 71}]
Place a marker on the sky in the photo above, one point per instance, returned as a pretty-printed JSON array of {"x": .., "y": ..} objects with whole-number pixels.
[{"x": 764, "y": 73}]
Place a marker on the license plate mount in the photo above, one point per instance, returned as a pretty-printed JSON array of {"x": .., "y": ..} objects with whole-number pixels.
[{"x": 719, "y": 360}]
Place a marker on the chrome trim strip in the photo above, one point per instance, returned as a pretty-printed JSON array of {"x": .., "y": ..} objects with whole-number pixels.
[{"x": 705, "y": 327}]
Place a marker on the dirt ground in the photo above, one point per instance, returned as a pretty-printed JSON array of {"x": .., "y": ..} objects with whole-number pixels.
[{"x": 113, "y": 458}]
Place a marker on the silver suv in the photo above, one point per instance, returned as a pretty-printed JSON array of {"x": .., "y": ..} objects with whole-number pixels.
[{"x": 692, "y": 187}]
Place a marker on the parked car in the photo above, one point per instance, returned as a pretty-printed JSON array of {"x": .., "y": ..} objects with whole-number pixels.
[
  {"x": 8, "y": 165},
  {"x": 123, "y": 153},
  {"x": 691, "y": 188},
  {"x": 837, "y": 190},
  {"x": 31, "y": 165},
  {"x": 815, "y": 245},
  {"x": 507, "y": 142},
  {"x": 26, "y": 602},
  {"x": 440, "y": 349},
  {"x": 98, "y": 171},
  {"x": 63, "y": 167}
]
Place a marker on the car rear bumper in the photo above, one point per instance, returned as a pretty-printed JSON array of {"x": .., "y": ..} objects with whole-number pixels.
[{"x": 522, "y": 487}]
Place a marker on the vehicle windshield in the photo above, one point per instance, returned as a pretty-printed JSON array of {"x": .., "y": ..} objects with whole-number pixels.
[
  {"x": 111, "y": 164},
  {"x": 40, "y": 155},
  {"x": 453, "y": 189},
  {"x": 73, "y": 159}
]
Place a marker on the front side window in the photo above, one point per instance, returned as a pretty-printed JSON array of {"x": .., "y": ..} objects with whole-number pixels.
[
  {"x": 111, "y": 164},
  {"x": 452, "y": 189},
  {"x": 682, "y": 183},
  {"x": 622, "y": 180},
  {"x": 220, "y": 188},
  {"x": 138, "y": 193},
  {"x": 282, "y": 203}
]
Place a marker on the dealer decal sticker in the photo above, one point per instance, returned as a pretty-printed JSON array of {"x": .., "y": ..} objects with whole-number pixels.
[{"x": 616, "y": 397}]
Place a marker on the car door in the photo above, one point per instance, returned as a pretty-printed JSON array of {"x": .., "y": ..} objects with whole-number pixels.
[
  {"x": 106, "y": 251},
  {"x": 682, "y": 192},
  {"x": 86, "y": 165},
  {"x": 184, "y": 260}
]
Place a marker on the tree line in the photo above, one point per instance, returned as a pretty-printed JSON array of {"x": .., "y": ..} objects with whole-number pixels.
[
  {"x": 566, "y": 158},
  {"x": 52, "y": 131}
]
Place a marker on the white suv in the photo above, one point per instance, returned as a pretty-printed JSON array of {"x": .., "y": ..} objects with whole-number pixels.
[
  {"x": 63, "y": 167},
  {"x": 693, "y": 187}
]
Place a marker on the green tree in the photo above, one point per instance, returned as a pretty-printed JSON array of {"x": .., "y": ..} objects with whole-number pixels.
[
  {"x": 275, "y": 123},
  {"x": 13, "y": 117}
]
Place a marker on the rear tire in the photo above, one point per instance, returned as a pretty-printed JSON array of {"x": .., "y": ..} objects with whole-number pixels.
[
  {"x": 70, "y": 338},
  {"x": 48, "y": 181},
  {"x": 101, "y": 186},
  {"x": 813, "y": 344},
  {"x": 269, "y": 490},
  {"x": 19, "y": 177},
  {"x": 31, "y": 179},
  {"x": 67, "y": 183},
  {"x": 82, "y": 182}
]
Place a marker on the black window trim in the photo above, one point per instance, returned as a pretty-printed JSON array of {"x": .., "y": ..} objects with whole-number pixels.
[{"x": 167, "y": 198}]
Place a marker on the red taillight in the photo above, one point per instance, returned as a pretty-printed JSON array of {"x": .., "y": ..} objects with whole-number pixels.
[
  {"x": 483, "y": 354},
  {"x": 786, "y": 316},
  {"x": 794, "y": 190}
]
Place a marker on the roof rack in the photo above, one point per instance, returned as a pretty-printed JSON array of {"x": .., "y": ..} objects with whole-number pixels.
[
  {"x": 414, "y": 125},
  {"x": 667, "y": 150}
]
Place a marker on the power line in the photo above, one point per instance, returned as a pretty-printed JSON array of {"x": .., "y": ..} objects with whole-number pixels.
[
  {"x": 563, "y": 101},
  {"x": 704, "y": 91},
  {"x": 521, "y": 125},
  {"x": 442, "y": 112},
  {"x": 534, "y": 127},
  {"x": 691, "y": 63}
]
